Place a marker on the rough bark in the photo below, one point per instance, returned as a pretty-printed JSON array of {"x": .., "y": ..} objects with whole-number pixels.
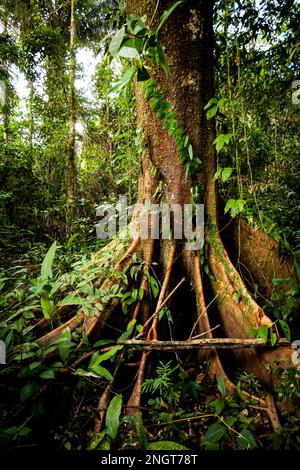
[
  {"x": 261, "y": 257},
  {"x": 188, "y": 39}
]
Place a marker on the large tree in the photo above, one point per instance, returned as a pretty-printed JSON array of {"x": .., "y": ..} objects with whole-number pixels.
[{"x": 188, "y": 40}]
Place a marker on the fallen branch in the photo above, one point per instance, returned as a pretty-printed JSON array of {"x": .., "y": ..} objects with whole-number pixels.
[{"x": 207, "y": 343}]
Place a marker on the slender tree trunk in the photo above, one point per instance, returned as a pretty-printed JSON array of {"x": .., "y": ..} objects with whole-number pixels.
[
  {"x": 5, "y": 117},
  {"x": 31, "y": 122},
  {"x": 71, "y": 169},
  {"x": 5, "y": 98}
]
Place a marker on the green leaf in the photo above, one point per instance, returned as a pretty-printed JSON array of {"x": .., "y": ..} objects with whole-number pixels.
[
  {"x": 131, "y": 49},
  {"x": 166, "y": 15},
  {"x": 212, "y": 102},
  {"x": 154, "y": 286},
  {"x": 46, "y": 268},
  {"x": 71, "y": 240},
  {"x": 47, "y": 306},
  {"x": 96, "y": 359},
  {"x": 211, "y": 112},
  {"x": 136, "y": 26},
  {"x": 102, "y": 372},
  {"x": 226, "y": 173},
  {"x": 103, "y": 342},
  {"x": 47, "y": 374},
  {"x": 263, "y": 333},
  {"x": 235, "y": 206},
  {"x": 71, "y": 299},
  {"x": 113, "y": 413},
  {"x": 218, "y": 173},
  {"x": 273, "y": 338},
  {"x": 162, "y": 58},
  {"x": 215, "y": 433},
  {"x": 285, "y": 328},
  {"x": 191, "y": 152},
  {"x": 141, "y": 293},
  {"x": 122, "y": 82},
  {"x": 218, "y": 405},
  {"x": 28, "y": 391},
  {"x": 24, "y": 431},
  {"x": 221, "y": 140},
  {"x": 101, "y": 442},
  {"x": 166, "y": 445},
  {"x": 64, "y": 344},
  {"x": 116, "y": 42},
  {"x": 221, "y": 386},
  {"x": 246, "y": 440}
]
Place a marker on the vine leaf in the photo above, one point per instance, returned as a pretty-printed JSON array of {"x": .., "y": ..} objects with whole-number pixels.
[
  {"x": 122, "y": 82},
  {"x": 166, "y": 15}
]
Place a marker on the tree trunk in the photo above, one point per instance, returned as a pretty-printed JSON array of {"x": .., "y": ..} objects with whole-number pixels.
[
  {"x": 71, "y": 169},
  {"x": 189, "y": 41},
  {"x": 31, "y": 122}
]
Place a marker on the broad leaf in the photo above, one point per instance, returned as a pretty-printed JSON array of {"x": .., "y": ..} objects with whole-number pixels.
[
  {"x": 211, "y": 112},
  {"x": 162, "y": 58},
  {"x": 263, "y": 333},
  {"x": 71, "y": 299},
  {"x": 113, "y": 413},
  {"x": 226, "y": 173},
  {"x": 215, "y": 433},
  {"x": 136, "y": 26},
  {"x": 96, "y": 359},
  {"x": 285, "y": 328},
  {"x": 131, "y": 49},
  {"x": 28, "y": 391},
  {"x": 246, "y": 440},
  {"x": 218, "y": 173},
  {"x": 116, "y": 42},
  {"x": 47, "y": 374},
  {"x": 235, "y": 206},
  {"x": 221, "y": 386},
  {"x": 47, "y": 306},
  {"x": 102, "y": 372},
  {"x": 122, "y": 82},
  {"x": 221, "y": 140},
  {"x": 46, "y": 269},
  {"x": 64, "y": 344},
  {"x": 154, "y": 286},
  {"x": 166, "y": 445},
  {"x": 212, "y": 102}
]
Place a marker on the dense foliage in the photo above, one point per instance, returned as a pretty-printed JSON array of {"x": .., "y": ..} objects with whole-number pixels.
[{"x": 42, "y": 264}]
